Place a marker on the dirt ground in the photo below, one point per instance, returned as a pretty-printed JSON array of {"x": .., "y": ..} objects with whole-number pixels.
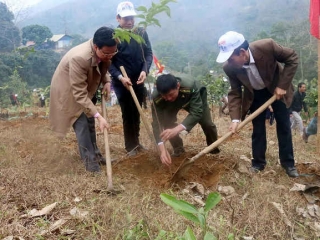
[{"x": 30, "y": 150}]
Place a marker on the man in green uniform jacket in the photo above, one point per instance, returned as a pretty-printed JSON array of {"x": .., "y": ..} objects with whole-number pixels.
[{"x": 172, "y": 94}]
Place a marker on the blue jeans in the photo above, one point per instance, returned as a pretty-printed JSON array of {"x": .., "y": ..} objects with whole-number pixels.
[{"x": 311, "y": 129}]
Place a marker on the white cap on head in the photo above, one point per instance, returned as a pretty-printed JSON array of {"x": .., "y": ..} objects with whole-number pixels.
[
  {"x": 227, "y": 44},
  {"x": 126, "y": 9}
]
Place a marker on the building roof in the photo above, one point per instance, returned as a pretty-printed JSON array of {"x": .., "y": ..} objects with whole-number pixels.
[
  {"x": 57, "y": 37},
  {"x": 30, "y": 43}
]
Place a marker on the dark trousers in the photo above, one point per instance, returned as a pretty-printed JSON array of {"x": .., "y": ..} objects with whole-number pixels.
[
  {"x": 84, "y": 128},
  {"x": 130, "y": 114},
  {"x": 259, "y": 138}
]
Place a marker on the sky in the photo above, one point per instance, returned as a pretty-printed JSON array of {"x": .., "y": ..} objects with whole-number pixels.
[{"x": 16, "y": 4}]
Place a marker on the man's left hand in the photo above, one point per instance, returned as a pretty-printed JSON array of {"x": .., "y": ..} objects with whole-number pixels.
[
  {"x": 142, "y": 77},
  {"x": 106, "y": 90}
]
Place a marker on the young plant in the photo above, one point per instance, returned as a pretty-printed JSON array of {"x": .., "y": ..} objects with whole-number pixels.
[{"x": 196, "y": 215}]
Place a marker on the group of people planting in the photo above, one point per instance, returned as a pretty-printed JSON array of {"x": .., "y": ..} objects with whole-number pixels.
[{"x": 256, "y": 72}]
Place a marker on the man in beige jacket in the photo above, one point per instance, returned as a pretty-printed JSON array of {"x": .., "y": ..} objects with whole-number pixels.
[{"x": 73, "y": 88}]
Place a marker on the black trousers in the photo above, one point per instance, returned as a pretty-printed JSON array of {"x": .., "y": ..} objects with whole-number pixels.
[
  {"x": 259, "y": 139},
  {"x": 130, "y": 114},
  {"x": 84, "y": 128}
]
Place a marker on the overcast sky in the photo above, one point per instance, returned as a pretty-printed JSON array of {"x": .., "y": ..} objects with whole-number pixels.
[{"x": 16, "y": 4}]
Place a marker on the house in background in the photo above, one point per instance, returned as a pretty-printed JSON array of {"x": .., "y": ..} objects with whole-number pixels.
[
  {"x": 30, "y": 44},
  {"x": 61, "y": 41}
]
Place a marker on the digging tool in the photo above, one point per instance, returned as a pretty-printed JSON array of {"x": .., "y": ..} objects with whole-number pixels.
[
  {"x": 107, "y": 149},
  {"x": 186, "y": 164},
  {"x": 144, "y": 120}
]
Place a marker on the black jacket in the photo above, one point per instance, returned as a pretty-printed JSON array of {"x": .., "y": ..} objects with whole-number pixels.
[
  {"x": 298, "y": 102},
  {"x": 133, "y": 57}
]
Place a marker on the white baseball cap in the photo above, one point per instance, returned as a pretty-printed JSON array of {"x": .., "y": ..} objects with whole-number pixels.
[
  {"x": 126, "y": 9},
  {"x": 227, "y": 44}
]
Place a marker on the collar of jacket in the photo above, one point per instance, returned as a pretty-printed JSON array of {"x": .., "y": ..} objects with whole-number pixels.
[{"x": 95, "y": 60}]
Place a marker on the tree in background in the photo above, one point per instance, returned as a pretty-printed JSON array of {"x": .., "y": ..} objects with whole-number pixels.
[
  {"x": 38, "y": 68},
  {"x": 77, "y": 39},
  {"x": 217, "y": 86},
  {"x": 36, "y": 33},
  {"x": 17, "y": 86},
  {"x": 9, "y": 33},
  {"x": 8, "y": 63},
  {"x": 172, "y": 55},
  {"x": 296, "y": 36}
]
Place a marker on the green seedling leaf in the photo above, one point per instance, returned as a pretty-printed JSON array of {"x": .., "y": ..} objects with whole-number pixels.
[
  {"x": 141, "y": 16},
  {"x": 142, "y": 9},
  {"x": 231, "y": 236},
  {"x": 161, "y": 234},
  {"x": 189, "y": 216},
  {"x": 156, "y": 22},
  {"x": 209, "y": 236},
  {"x": 202, "y": 221},
  {"x": 143, "y": 24},
  {"x": 212, "y": 200},
  {"x": 189, "y": 235},
  {"x": 178, "y": 204},
  {"x": 138, "y": 38},
  {"x": 165, "y": 2}
]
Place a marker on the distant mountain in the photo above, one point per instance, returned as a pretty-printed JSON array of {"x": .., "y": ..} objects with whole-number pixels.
[
  {"x": 45, "y": 5},
  {"x": 198, "y": 21}
]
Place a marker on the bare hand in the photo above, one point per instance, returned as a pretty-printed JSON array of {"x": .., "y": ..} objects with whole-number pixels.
[
  {"x": 279, "y": 93},
  {"x": 142, "y": 77},
  {"x": 106, "y": 90},
  {"x": 164, "y": 155},
  {"x": 126, "y": 82},
  {"x": 170, "y": 133},
  {"x": 233, "y": 127},
  {"x": 103, "y": 123}
]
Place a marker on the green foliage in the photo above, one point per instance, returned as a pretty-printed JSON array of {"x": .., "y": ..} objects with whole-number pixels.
[
  {"x": 189, "y": 235},
  {"x": 217, "y": 87},
  {"x": 17, "y": 86},
  {"x": 293, "y": 35},
  {"x": 172, "y": 55},
  {"x": 312, "y": 96},
  {"x": 77, "y": 39},
  {"x": 38, "y": 67},
  {"x": 148, "y": 19},
  {"x": 9, "y": 33},
  {"x": 5, "y": 14},
  {"x": 35, "y": 33},
  {"x": 189, "y": 211},
  {"x": 141, "y": 231},
  {"x": 34, "y": 69},
  {"x": 147, "y": 15}
]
